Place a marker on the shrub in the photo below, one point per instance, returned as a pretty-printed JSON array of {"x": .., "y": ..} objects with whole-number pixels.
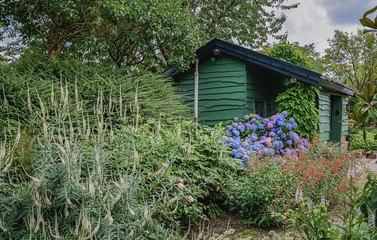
[
  {"x": 91, "y": 179},
  {"x": 254, "y": 135},
  {"x": 86, "y": 84},
  {"x": 356, "y": 140},
  {"x": 272, "y": 185}
]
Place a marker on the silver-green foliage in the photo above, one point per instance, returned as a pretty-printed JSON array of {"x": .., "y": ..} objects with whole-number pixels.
[{"x": 91, "y": 178}]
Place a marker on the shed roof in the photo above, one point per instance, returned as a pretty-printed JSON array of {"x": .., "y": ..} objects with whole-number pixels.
[{"x": 268, "y": 62}]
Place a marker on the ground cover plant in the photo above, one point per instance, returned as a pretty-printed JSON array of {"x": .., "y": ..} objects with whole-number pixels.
[{"x": 356, "y": 140}]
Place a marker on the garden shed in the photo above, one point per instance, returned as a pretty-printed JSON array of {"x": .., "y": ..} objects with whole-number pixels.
[{"x": 235, "y": 81}]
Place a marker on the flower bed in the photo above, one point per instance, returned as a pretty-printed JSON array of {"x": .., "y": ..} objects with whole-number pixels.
[{"x": 254, "y": 135}]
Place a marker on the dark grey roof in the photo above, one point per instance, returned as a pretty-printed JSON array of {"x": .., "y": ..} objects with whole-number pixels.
[
  {"x": 268, "y": 62},
  {"x": 335, "y": 85},
  {"x": 260, "y": 59}
]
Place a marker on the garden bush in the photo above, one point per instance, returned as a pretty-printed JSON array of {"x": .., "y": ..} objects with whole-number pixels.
[
  {"x": 254, "y": 135},
  {"x": 139, "y": 180},
  {"x": 356, "y": 140},
  {"x": 31, "y": 78},
  {"x": 268, "y": 189}
]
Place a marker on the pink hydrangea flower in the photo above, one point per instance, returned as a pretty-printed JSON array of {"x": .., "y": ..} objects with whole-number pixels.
[
  {"x": 180, "y": 186},
  {"x": 190, "y": 199},
  {"x": 268, "y": 142}
]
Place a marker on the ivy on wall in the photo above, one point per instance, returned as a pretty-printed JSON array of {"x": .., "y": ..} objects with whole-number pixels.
[{"x": 299, "y": 99}]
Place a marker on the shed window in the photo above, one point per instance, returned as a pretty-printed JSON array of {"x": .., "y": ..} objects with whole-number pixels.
[
  {"x": 259, "y": 107},
  {"x": 348, "y": 108}
]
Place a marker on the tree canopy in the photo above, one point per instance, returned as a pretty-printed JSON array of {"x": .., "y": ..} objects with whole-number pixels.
[
  {"x": 146, "y": 34},
  {"x": 244, "y": 22},
  {"x": 353, "y": 58}
]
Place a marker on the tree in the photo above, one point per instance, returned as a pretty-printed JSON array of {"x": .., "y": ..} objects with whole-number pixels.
[
  {"x": 54, "y": 22},
  {"x": 154, "y": 34},
  {"x": 244, "y": 22},
  {"x": 353, "y": 58}
]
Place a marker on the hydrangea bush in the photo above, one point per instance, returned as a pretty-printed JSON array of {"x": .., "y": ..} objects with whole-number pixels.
[{"x": 254, "y": 135}]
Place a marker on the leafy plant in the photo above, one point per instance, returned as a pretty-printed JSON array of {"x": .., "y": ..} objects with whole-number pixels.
[
  {"x": 368, "y": 96},
  {"x": 356, "y": 140},
  {"x": 299, "y": 100},
  {"x": 268, "y": 188},
  {"x": 313, "y": 222}
]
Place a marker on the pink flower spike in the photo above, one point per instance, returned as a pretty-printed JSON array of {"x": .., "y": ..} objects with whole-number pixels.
[
  {"x": 190, "y": 199},
  {"x": 180, "y": 186},
  {"x": 180, "y": 180}
]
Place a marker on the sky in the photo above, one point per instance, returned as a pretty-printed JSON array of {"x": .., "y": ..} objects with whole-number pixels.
[{"x": 314, "y": 21}]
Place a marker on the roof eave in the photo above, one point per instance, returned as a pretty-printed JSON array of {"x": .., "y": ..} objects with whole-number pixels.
[{"x": 336, "y": 87}]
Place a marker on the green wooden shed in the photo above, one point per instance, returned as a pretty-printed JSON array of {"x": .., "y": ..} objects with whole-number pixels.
[{"x": 235, "y": 81}]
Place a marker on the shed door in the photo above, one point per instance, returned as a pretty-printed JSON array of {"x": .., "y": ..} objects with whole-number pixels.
[{"x": 336, "y": 117}]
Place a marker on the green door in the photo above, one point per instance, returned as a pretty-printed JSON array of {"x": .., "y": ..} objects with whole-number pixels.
[{"x": 336, "y": 118}]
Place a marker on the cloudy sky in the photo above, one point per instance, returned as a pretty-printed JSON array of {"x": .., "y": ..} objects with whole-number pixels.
[{"x": 314, "y": 21}]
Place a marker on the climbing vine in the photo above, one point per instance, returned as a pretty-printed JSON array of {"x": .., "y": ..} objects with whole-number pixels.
[{"x": 299, "y": 100}]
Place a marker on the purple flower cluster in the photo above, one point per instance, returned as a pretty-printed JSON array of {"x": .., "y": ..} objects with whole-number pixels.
[{"x": 261, "y": 136}]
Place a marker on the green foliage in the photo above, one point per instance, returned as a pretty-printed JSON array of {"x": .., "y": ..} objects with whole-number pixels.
[
  {"x": 299, "y": 100},
  {"x": 356, "y": 140},
  {"x": 360, "y": 114},
  {"x": 367, "y": 22},
  {"x": 245, "y": 22},
  {"x": 288, "y": 53},
  {"x": 351, "y": 58},
  {"x": 270, "y": 187},
  {"x": 83, "y": 83},
  {"x": 312, "y": 221},
  {"x": 262, "y": 190},
  {"x": 152, "y": 35},
  {"x": 91, "y": 179},
  {"x": 54, "y": 23}
]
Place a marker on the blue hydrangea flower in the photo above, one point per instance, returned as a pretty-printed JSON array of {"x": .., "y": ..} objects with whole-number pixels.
[
  {"x": 276, "y": 144},
  {"x": 252, "y": 120},
  {"x": 244, "y": 145},
  {"x": 281, "y": 123},
  {"x": 270, "y": 125},
  {"x": 254, "y": 137},
  {"x": 234, "y": 144},
  {"x": 292, "y": 120},
  {"x": 230, "y": 128},
  {"x": 253, "y": 127},
  {"x": 236, "y": 133},
  {"x": 233, "y": 152},
  {"x": 248, "y": 126},
  {"x": 230, "y": 133},
  {"x": 225, "y": 138},
  {"x": 283, "y": 136},
  {"x": 246, "y": 117},
  {"x": 237, "y": 156},
  {"x": 294, "y": 125},
  {"x": 236, "y": 119},
  {"x": 263, "y": 138},
  {"x": 200, "y": 127},
  {"x": 284, "y": 113},
  {"x": 288, "y": 126},
  {"x": 265, "y": 121},
  {"x": 261, "y": 126},
  {"x": 235, "y": 124}
]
